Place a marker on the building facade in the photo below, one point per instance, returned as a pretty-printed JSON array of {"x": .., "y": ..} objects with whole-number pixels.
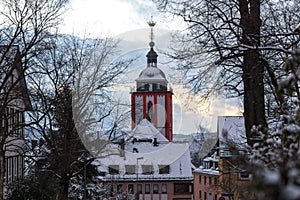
[
  {"x": 151, "y": 167},
  {"x": 233, "y": 176},
  {"x": 206, "y": 179},
  {"x": 14, "y": 102}
]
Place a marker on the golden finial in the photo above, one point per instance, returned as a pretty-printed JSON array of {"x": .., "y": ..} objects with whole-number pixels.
[{"x": 151, "y": 23}]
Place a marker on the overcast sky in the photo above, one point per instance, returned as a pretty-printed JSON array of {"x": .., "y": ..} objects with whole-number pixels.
[
  {"x": 128, "y": 19},
  {"x": 113, "y": 17}
]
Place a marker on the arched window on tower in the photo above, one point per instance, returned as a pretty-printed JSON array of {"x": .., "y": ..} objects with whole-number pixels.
[{"x": 150, "y": 111}]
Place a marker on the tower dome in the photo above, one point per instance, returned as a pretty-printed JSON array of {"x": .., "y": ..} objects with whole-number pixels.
[
  {"x": 151, "y": 79},
  {"x": 152, "y": 74}
]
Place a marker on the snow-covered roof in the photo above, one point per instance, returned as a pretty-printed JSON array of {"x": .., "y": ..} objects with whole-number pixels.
[
  {"x": 146, "y": 129},
  {"x": 207, "y": 171},
  {"x": 184, "y": 138},
  {"x": 213, "y": 157},
  {"x": 208, "y": 144},
  {"x": 174, "y": 155},
  {"x": 210, "y": 165},
  {"x": 151, "y": 152},
  {"x": 11, "y": 66},
  {"x": 231, "y": 132}
]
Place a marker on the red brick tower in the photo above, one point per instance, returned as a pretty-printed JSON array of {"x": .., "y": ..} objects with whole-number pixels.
[{"x": 152, "y": 99}]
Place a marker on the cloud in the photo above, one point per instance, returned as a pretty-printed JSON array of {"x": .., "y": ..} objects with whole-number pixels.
[{"x": 112, "y": 17}]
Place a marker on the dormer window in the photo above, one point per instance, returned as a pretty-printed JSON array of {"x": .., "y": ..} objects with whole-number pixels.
[
  {"x": 147, "y": 169},
  {"x": 114, "y": 169},
  {"x": 130, "y": 169},
  {"x": 164, "y": 169}
]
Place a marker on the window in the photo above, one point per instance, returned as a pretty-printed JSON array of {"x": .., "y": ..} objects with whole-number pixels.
[
  {"x": 147, "y": 188},
  {"x": 216, "y": 181},
  {"x": 10, "y": 169},
  {"x": 210, "y": 196},
  {"x": 164, "y": 188},
  {"x": 244, "y": 175},
  {"x": 139, "y": 189},
  {"x": 158, "y": 86},
  {"x": 150, "y": 111},
  {"x": 12, "y": 119},
  {"x": 129, "y": 169},
  {"x": 200, "y": 194},
  {"x": 119, "y": 188},
  {"x": 111, "y": 193},
  {"x": 147, "y": 169},
  {"x": 15, "y": 167},
  {"x": 209, "y": 181},
  {"x": 20, "y": 166},
  {"x": 130, "y": 189},
  {"x": 114, "y": 169},
  {"x": 155, "y": 188},
  {"x": 183, "y": 188},
  {"x": 205, "y": 197},
  {"x": 204, "y": 180},
  {"x": 200, "y": 179},
  {"x": 164, "y": 169}
]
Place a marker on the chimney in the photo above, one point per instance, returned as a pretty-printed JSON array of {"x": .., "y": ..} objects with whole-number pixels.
[
  {"x": 155, "y": 143},
  {"x": 122, "y": 145}
]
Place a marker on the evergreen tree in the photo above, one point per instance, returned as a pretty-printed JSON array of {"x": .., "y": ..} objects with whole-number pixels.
[{"x": 275, "y": 157}]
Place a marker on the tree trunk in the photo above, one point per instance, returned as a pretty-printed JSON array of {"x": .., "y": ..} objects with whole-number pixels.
[
  {"x": 253, "y": 68},
  {"x": 64, "y": 187},
  {"x": 2, "y": 171}
]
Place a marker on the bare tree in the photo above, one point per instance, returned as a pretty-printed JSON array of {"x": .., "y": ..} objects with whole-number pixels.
[
  {"x": 230, "y": 47},
  {"x": 24, "y": 26},
  {"x": 71, "y": 99}
]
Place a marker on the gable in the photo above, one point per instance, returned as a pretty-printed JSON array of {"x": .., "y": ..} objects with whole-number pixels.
[{"x": 13, "y": 78}]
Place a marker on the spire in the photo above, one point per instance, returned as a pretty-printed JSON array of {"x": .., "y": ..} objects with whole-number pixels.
[
  {"x": 151, "y": 24},
  {"x": 152, "y": 55}
]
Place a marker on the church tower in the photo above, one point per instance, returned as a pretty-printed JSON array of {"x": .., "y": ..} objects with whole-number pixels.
[{"x": 152, "y": 99}]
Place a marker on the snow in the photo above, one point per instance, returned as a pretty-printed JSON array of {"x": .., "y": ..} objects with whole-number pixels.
[
  {"x": 271, "y": 177},
  {"x": 213, "y": 157},
  {"x": 231, "y": 132},
  {"x": 291, "y": 191},
  {"x": 207, "y": 168},
  {"x": 146, "y": 129},
  {"x": 174, "y": 154},
  {"x": 207, "y": 171},
  {"x": 152, "y": 74}
]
